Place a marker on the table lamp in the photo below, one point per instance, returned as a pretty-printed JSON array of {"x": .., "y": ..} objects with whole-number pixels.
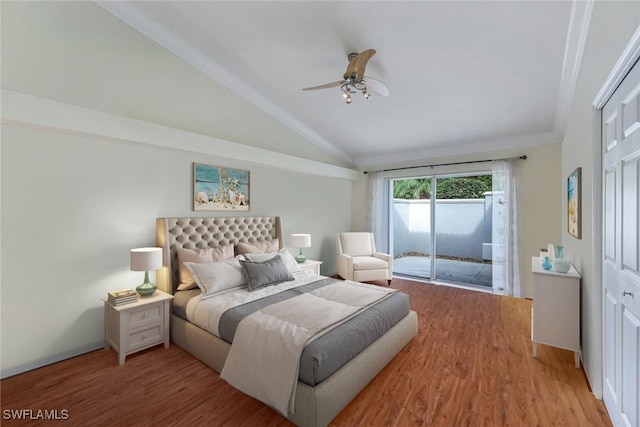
[
  {"x": 301, "y": 241},
  {"x": 145, "y": 259}
]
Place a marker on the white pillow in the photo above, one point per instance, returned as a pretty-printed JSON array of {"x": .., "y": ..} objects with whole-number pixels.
[
  {"x": 258, "y": 247},
  {"x": 199, "y": 255},
  {"x": 219, "y": 276},
  {"x": 289, "y": 260}
]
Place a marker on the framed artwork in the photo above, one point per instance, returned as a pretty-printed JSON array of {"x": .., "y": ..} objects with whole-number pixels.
[
  {"x": 220, "y": 189},
  {"x": 574, "y": 202}
]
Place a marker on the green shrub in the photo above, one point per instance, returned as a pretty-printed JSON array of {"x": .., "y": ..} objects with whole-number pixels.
[
  {"x": 460, "y": 187},
  {"x": 415, "y": 188},
  {"x": 463, "y": 187}
]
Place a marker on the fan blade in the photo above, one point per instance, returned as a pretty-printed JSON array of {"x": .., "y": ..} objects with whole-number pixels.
[
  {"x": 326, "y": 85},
  {"x": 358, "y": 64},
  {"x": 376, "y": 87}
]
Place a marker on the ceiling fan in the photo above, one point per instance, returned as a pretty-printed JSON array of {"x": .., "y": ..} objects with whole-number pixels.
[{"x": 354, "y": 79}]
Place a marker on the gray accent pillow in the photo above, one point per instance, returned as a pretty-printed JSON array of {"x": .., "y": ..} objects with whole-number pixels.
[
  {"x": 289, "y": 260},
  {"x": 267, "y": 273}
]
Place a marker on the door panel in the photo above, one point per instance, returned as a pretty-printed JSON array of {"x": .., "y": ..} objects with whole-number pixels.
[
  {"x": 412, "y": 227},
  {"x": 610, "y": 215},
  {"x": 631, "y": 112},
  {"x": 621, "y": 253},
  {"x": 630, "y": 357},
  {"x": 630, "y": 214},
  {"x": 610, "y": 137},
  {"x": 610, "y": 305}
]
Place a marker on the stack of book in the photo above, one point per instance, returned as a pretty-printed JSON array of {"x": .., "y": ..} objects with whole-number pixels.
[{"x": 124, "y": 296}]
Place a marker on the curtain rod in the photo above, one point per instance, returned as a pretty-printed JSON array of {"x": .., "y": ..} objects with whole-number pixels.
[{"x": 524, "y": 157}]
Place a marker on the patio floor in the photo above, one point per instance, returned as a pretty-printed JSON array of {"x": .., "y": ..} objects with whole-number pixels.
[{"x": 468, "y": 273}]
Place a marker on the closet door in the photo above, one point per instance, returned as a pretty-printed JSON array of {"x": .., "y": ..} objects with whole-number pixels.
[{"x": 621, "y": 254}]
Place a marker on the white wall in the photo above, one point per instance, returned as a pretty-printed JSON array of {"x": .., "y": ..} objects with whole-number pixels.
[
  {"x": 77, "y": 198},
  {"x": 78, "y": 53},
  {"x": 612, "y": 25},
  {"x": 72, "y": 207}
]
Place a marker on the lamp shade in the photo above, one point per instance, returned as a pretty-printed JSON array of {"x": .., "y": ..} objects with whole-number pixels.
[
  {"x": 301, "y": 240},
  {"x": 146, "y": 259}
]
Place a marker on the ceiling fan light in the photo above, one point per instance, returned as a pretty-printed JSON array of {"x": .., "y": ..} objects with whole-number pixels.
[{"x": 354, "y": 79}]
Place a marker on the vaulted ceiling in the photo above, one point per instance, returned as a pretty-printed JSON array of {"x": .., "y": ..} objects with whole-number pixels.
[{"x": 464, "y": 77}]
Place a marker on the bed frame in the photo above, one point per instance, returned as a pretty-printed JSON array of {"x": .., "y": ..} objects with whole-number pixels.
[{"x": 315, "y": 406}]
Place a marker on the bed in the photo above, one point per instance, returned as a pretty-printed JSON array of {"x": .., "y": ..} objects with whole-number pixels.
[{"x": 315, "y": 405}]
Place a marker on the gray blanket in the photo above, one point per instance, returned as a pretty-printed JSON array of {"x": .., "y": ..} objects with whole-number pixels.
[
  {"x": 330, "y": 352},
  {"x": 327, "y": 354}
]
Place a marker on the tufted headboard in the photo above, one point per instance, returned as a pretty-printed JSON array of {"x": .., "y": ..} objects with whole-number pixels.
[{"x": 199, "y": 233}]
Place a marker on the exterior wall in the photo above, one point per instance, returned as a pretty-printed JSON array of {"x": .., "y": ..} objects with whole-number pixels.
[{"x": 461, "y": 227}]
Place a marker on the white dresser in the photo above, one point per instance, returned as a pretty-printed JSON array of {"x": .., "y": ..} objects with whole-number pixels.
[{"x": 555, "y": 315}]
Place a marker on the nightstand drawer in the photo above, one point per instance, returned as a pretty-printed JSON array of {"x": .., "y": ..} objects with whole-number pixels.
[
  {"x": 149, "y": 313},
  {"x": 146, "y": 337}
]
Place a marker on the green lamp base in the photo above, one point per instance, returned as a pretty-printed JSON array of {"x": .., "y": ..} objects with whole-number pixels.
[
  {"x": 146, "y": 289},
  {"x": 301, "y": 259}
]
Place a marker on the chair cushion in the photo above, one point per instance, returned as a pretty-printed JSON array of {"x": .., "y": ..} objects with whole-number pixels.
[
  {"x": 356, "y": 244},
  {"x": 369, "y": 263}
]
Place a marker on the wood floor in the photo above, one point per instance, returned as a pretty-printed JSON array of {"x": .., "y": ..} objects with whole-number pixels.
[{"x": 470, "y": 365}]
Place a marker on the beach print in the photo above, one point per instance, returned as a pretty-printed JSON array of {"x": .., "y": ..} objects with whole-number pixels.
[
  {"x": 573, "y": 204},
  {"x": 220, "y": 189}
]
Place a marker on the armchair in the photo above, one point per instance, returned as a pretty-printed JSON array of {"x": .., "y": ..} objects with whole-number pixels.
[{"x": 358, "y": 260}]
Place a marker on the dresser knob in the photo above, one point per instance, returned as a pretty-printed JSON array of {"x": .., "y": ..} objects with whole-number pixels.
[{"x": 625, "y": 293}]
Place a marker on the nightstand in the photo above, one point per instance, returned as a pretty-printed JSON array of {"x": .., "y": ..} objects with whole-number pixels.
[
  {"x": 311, "y": 265},
  {"x": 139, "y": 325}
]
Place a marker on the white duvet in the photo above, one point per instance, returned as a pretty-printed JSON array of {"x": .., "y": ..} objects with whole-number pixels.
[
  {"x": 206, "y": 313},
  {"x": 264, "y": 358},
  {"x": 265, "y": 355}
]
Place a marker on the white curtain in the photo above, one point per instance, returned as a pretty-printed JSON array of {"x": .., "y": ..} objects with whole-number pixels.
[
  {"x": 377, "y": 219},
  {"x": 505, "y": 253}
]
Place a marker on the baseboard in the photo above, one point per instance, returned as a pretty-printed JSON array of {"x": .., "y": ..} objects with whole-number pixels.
[
  {"x": 9, "y": 372},
  {"x": 586, "y": 376}
]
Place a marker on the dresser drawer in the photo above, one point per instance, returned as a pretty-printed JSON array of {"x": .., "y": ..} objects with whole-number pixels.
[
  {"x": 145, "y": 337},
  {"x": 144, "y": 315}
]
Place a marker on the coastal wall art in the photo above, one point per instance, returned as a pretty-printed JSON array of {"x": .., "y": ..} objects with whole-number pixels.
[
  {"x": 574, "y": 209},
  {"x": 216, "y": 188}
]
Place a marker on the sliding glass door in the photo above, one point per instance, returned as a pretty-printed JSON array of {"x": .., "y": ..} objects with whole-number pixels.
[
  {"x": 411, "y": 227},
  {"x": 441, "y": 228}
]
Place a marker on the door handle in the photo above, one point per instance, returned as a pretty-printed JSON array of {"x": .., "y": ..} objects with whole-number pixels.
[{"x": 625, "y": 293}]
